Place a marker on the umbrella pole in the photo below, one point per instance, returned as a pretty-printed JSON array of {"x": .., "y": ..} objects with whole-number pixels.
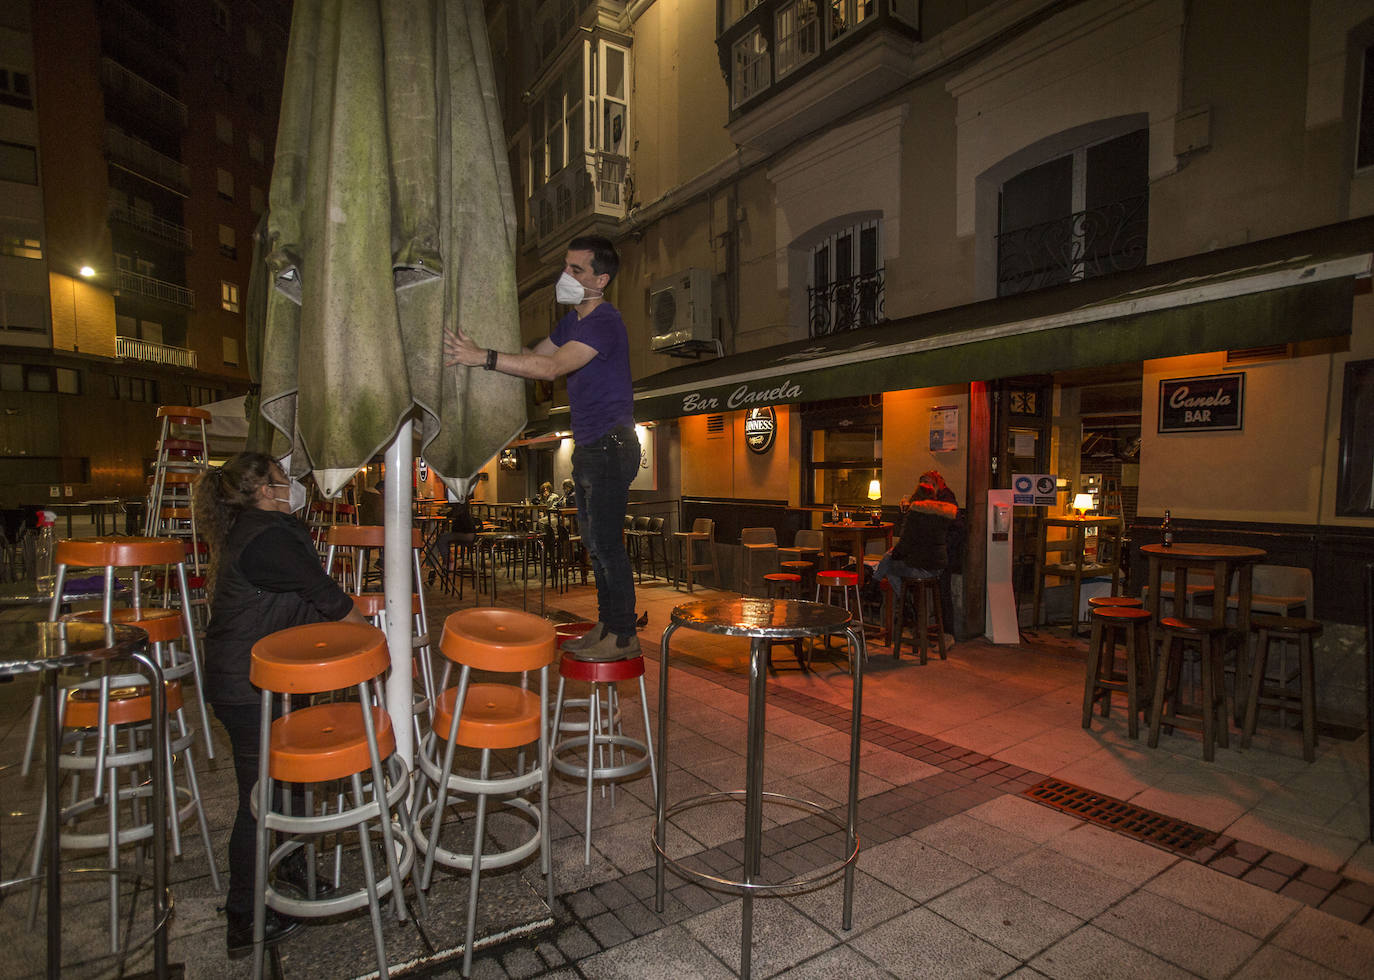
[{"x": 396, "y": 583}]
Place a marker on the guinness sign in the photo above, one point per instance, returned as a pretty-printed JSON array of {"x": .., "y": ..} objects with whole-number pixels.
[{"x": 760, "y": 428}]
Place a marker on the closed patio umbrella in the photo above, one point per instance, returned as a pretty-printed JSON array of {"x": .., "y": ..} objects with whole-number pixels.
[{"x": 390, "y": 221}]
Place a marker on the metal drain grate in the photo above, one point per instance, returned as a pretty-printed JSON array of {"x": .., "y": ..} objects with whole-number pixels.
[{"x": 1169, "y": 833}]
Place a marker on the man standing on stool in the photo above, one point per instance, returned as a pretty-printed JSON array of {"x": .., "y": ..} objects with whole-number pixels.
[{"x": 591, "y": 347}]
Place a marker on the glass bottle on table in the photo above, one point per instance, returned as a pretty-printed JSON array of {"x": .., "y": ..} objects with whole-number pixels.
[
  {"x": 1167, "y": 530},
  {"x": 44, "y": 546}
]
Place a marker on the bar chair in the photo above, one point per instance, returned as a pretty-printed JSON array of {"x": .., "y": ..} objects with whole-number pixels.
[
  {"x": 183, "y": 446},
  {"x": 350, "y": 741},
  {"x": 1300, "y": 633},
  {"x": 487, "y": 717},
  {"x": 759, "y": 549},
  {"x": 703, "y": 533},
  {"x": 1213, "y": 718},
  {"x": 920, "y": 593},
  {"x": 1102, "y": 678}
]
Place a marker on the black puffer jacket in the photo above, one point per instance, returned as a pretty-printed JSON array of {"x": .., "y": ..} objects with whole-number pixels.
[
  {"x": 241, "y": 612},
  {"x": 924, "y": 534}
]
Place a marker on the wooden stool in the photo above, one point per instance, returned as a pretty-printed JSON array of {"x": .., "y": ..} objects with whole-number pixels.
[
  {"x": 1281, "y": 629},
  {"x": 787, "y": 585},
  {"x": 920, "y": 589},
  {"x": 603, "y": 733},
  {"x": 488, "y": 716},
  {"x": 338, "y": 741},
  {"x": 802, "y": 568},
  {"x": 1120, "y": 601},
  {"x": 703, "y": 532},
  {"x": 1211, "y": 643},
  {"x": 1102, "y": 678}
]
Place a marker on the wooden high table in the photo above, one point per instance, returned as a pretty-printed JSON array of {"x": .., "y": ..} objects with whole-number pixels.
[
  {"x": 1222, "y": 559},
  {"x": 854, "y": 536}
]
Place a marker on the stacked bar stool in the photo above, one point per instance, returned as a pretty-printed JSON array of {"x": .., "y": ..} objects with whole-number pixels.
[
  {"x": 602, "y": 736},
  {"x": 350, "y": 741},
  {"x": 1174, "y": 635},
  {"x": 183, "y": 446},
  {"x": 176, "y": 518},
  {"x": 922, "y": 593},
  {"x": 107, "y": 721},
  {"x": 171, "y": 632},
  {"x": 351, "y": 547},
  {"x": 1102, "y": 677},
  {"x": 1285, "y": 630},
  {"x": 485, "y": 718}
]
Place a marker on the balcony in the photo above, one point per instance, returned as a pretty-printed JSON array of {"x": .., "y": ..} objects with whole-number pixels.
[
  {"x": 594, "y": 190},
  {"x": 793, "y": 67},
  {"x": 151, "y": 225},
  {"x": 133, "y": 284},
  {"x": 1111, "y": 238},
  {"x": 142, "y": 160},
  {"x": 132, "y": 349},
  {"x": 142, "y": 95},
  {"x": 846, "y": 304}
]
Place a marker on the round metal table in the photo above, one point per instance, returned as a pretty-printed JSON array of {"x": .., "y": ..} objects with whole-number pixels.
[
  {"x": 762, "y": 621},
  {"x": 49, "y": 648}
]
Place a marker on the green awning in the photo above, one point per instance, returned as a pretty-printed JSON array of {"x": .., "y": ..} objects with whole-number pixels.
[{"x": 1281, "y": 290}]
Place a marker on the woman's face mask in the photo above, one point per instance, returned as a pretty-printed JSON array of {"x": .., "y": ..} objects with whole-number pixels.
[{"x": 295, "y": 498}]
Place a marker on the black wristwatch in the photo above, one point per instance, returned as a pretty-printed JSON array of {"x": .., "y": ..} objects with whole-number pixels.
[{"x": 491, "y": 361}]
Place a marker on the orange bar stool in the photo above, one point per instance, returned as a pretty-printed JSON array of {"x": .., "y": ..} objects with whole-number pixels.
[
  {"x": 171, "y": 632},
  {"x": 602, "y": 734},
  {"x": 349, "y": 741},
  {"x": 183, "y": 446},
  {"x": 848, "y": 584},
  {"x": 802, "y": 568},
  {"x": 1213, "y": 719},
  {"x": 1121, "y": 601},
  {"x": 488, "y": 717},
  {"x": 1102, "y": 677},
  {"x": 1285, "y": 630},
  {"x": 922, "y": 593},
  {"x": 351, "y": 548},
  {"x": 107, "y": 721}
]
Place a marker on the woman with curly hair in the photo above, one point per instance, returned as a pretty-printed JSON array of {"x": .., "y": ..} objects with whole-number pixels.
[{"x": 263, "y": 576}]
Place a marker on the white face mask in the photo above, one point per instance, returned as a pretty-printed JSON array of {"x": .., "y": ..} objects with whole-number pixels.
[
  {"x": 569, "y": 291},
  {"x": 295, "y": 496}
]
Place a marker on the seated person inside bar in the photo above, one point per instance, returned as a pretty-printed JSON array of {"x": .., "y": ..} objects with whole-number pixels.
[{"x": 921, "y": 551}]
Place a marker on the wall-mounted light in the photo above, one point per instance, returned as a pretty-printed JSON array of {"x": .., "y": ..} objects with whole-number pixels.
[{"x": 86, "y": 272}]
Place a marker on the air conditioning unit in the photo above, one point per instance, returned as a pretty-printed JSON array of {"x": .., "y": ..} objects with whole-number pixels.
[{"x": 680, "y": 312}]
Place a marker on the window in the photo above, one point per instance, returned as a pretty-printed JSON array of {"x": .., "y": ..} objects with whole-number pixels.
[
  {"x": 751, "y": 71},
  {"x": 231, "y": 351},
  {"x": 18, "y": 163},
  {"x": 224, "y": 129},
  {"x": 848, "y": 14},
  {"x": 843, "y": 443},
  {"x": 16, "y": 89},
  {"x": 228, "y": 242},
  {"x": 20, "y": 246},
  {"x": 797, "y": 35},
  {"x": 558, "y": 138},
  {"x": 133, "y": 389},
  {"x": 224, "y": 183},
  {"x": 68, "y": 381},
  {"x": 845, "y": 288},
  {"x": 1355, "y": 478},
  {"x": 1080, "y": 215},
  {"x": 611, "y": 135},
  {"x": 228, "y": 296},
  {"x": 31, "y": 377},
  {"x": 23, "y": 312},
  {"x": 201, "y": 395},
  {"x": 256, "y": 201},
  {"x": 255, "y": 149}
]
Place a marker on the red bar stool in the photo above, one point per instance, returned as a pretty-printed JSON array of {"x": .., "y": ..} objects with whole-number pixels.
[
  {"x": 115, "y": 712},
  {"x": 1102, "y": 677},
  {"x": 848, "y": 584},
  {"x": 488, "y": 717},
  {"x": 1211, "y": 643},
  {"x": 344, "y": 740},
  {"x": 1285, "y": 630},
  {"x": 603, "y": 735},
  {"x": 1120, "y": 601}
]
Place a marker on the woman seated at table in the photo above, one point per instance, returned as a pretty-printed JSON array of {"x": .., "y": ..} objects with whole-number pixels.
[
  {"x": 263, "y": 576},
  {"x": 921, "y": 551}
]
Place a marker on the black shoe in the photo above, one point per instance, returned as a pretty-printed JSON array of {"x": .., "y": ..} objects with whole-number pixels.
[
  {"x": 238, "y": 937},
  {"x": 292, "y": 877}
]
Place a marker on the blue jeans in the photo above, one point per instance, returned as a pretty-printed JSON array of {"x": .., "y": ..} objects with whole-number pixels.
[
  {"x": 603, "y": 471},
  {"x": 894, "y": 571}
]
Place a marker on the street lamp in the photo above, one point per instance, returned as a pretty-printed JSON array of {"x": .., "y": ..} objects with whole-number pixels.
[{"x": 86, "y": 272}]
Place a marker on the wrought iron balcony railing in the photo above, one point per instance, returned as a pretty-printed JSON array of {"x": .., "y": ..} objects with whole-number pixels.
[
  {"x": 140, "y": 158},
  {"x": 133, "y": 284},
  {"x": 596, "y": 188},
  {"x": 142, "y": 94},
  {"x": 847, "y": 304},
  {"x": 133, "y": 349},
  {"x": 151, "y": 224},
  {"x": 1082, "y": 245}
]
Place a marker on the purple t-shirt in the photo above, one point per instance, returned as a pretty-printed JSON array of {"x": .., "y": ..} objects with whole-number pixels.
[{"x": 600, "y": 392}]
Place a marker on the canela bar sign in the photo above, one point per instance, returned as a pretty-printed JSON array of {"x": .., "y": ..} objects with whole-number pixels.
[
  {"x": 1208, "y": 404},
  {"x": 744, "y": 396}
]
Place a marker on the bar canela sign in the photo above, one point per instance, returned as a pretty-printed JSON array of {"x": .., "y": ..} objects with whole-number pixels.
[
  {"x": 1213, "y": 403},
  {"x": 745, "y": 396},
  {"x": 760, "y": 429}
]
